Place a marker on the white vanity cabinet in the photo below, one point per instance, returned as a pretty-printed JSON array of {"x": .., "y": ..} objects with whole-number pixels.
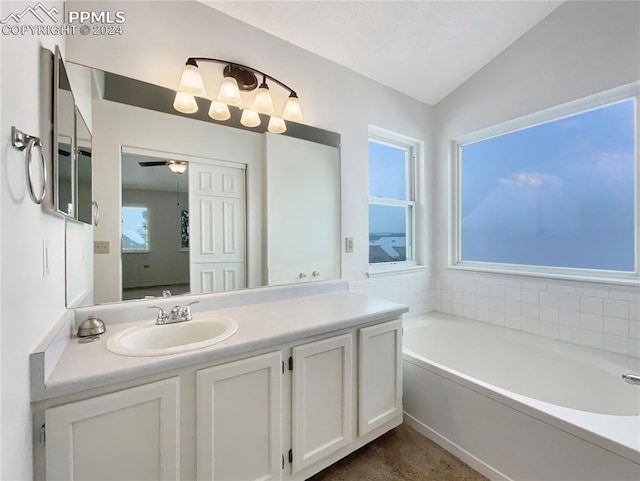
[
  {"x": 321, "y": 403},
  {"x": 239, "y": 420},
  {"x": 125, "y": 435},
  {"x": 278, "y": 414}
]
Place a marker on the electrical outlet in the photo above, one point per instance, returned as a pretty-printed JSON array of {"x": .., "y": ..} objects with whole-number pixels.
[
  {"x": 348, "y": 244},
  {"x": 101, "y": 247}
]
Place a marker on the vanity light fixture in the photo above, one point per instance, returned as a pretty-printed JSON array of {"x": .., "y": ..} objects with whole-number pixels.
[{"x": 237, "y": 78}]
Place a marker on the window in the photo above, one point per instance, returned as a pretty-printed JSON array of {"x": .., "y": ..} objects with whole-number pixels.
[
  {"x": 557, "y": 196},
  {"x": 135, "y": 229},
  {"x": 391, "y": 199}
]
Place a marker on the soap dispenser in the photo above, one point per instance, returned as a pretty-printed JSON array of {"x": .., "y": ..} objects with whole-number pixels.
[{"x": 91, "y": 326}]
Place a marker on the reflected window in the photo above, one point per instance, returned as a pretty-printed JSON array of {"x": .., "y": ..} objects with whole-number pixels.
[
  {"x": 391, "y": 201},
  {"x": 558, "y": 194},
  {"x": 135, "y": 229}
]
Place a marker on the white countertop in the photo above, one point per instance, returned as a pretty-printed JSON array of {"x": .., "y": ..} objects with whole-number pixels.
[{"x": 87, "y": 366}]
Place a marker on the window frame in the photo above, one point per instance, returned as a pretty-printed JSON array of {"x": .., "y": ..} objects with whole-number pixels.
[
  {"x": 592, "y": 102},
  {"x": 414, "y": 149},
  {"x": 148, "y": 249}
]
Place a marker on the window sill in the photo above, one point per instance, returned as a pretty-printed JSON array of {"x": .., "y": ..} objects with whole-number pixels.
[
  {"x": 624, "y": 280},
  {"x": 394, "y": 270}
]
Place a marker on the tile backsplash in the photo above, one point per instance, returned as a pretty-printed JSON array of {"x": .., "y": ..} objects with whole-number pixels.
[{"x": 602, "y": 316}]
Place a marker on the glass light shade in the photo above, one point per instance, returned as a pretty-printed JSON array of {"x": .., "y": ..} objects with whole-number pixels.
[
  {"x": 277, "y": 125},
  {"x": 185, "y": 103},
  {"x": 219, "y": 111},
  {"x": 191, "y": 82},
  {"x": 229, "y": 92},
  {"x": 250, "y": 118},
  {"x": 263, "y": 102},
  {"x": 177, "y": 167},
  {"x": 292, "y": 109}
]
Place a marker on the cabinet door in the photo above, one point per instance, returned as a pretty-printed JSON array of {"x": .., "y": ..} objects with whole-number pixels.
[
  {"x": 379, "y": 375},
  {"x": 130, "y": 434},
  {"x": 322, "y": 399},
  {"x": 239, "y": 416}
]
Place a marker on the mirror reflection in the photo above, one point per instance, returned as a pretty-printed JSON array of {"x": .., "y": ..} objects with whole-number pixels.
[
  {"x": 64, "y": 111},
  {"x": 194, "y": 206}
]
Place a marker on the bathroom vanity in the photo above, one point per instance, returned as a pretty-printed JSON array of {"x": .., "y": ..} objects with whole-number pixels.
[{"x": 303, "y": 382}]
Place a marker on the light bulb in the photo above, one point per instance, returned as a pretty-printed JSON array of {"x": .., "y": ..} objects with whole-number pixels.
[
  {"x": 277, "y": 125},
  {"x": 191, "y": 82},
  {"x": 185, "y": 103},
  {"x": 229, "y": 92},
  {"x": 263, "y": 102},
  {"x": 250, "y": 118},
  {"x": 219, "y": 111},
  {"x": 177, "y": 167},
  {"x": 292, "y": 109}
]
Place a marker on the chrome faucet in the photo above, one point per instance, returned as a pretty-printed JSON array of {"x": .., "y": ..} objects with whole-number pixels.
[
  {"x": 177, "y": 314},
  {"x": 632, "y": 379}
]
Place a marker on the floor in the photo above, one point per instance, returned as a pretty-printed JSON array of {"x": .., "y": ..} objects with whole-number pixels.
[{"x": 400, "y": 455}]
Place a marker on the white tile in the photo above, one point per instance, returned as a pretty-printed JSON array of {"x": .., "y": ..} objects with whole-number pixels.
[
  {"x": 616, "y": 308},
  {"x": 549, "y": 329},
  {"x": 446, "y": 307},
  {"x": 569, "y": 318},
  {"x": 634, "y": 329},
  {"x": 616, "y": 326},
  {"x": 458, "y": 310},
  {"x": 512, "y": 293},
  {"x": 591, "y": 321},
  {"x": 549, "y": 299},
  {"x": 530, "y": 325},
  {"x": 561, "y": 289},
  {"x": 591, "y": 305},
  {"x": 548, "y": 314},
  {"x": 634, "y": 347},
  {"x": 483, "y": 315},
  {"x": 484, "y": 289},
  {"x": 471, "y": 287},
  {"x": 616, "y": 344},
  {"x": 370, "y": 291},
  {"x": 511, "y": 282},
  {"x": 458, "y": 285},
  {"x": 497, "y": 318},
  {"x": 513, "y": 322},
  {"x": 458, "y": 297},
  {"x": 591, "y": 292},
  {"x": 591, "y": 338},
  {"x": 634, "y": 310},
  {"x": 530, "y": 296},
  {"x": 470, "y": 312},
  {"x": 569, "y": 302},
  {"x": 540, "y": 286},
  {"x": 530, "y": 310},
  {"x": 497, "y": 305},
  {"x": 624, "y": 295},
  {"x": 497, "y": 291},
  {"x": 569, "y": 334},
  {"x": 512, "y": 308},
  {"x": 470, "y": 299},
  {"x": 484, "y": 302},
  {"x": 446, "y": 295}
]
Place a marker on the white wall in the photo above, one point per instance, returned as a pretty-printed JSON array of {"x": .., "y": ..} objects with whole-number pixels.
[
  {"x": 332, "y": 96},
  {"x": 580, "y": 49},
  {"x": 29, "y": 303}
]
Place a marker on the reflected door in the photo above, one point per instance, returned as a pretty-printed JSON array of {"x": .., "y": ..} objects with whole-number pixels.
[{"x": 217, "y": 250}]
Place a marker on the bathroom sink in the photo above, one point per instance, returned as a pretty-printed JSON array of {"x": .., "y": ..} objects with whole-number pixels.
[{"x": 153, "y": 340}]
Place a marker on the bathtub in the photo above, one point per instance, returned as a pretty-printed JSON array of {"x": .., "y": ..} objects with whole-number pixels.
[{"x": 515, "y": 406}]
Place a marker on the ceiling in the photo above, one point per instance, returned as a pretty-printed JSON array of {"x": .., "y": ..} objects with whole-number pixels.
[
  {"x": 156, "y": 178},
  {"x": 424, "y": 49}
]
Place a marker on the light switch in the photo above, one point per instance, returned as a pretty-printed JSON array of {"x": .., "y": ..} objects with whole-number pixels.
[
  {"x": 348, "y": 245},
  {"x": 101, "y": 247}
]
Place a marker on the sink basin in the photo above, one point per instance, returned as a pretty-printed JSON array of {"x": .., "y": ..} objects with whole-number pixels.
[{"x": 152, "y": 340}]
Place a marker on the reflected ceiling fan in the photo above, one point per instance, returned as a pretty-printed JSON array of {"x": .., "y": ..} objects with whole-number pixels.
[{"x": 175, "y": 166}]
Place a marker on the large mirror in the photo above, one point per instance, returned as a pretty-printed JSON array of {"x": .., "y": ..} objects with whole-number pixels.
[{"x": 190, "y": 205}]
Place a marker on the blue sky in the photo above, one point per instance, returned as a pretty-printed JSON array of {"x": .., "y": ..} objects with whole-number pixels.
[{"x": 559, "y": 194}]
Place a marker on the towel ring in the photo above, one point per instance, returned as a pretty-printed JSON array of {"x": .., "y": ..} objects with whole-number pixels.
[{"x": 26, "y": 143}]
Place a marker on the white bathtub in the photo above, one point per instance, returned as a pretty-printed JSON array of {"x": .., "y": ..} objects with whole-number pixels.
[{"x": 521, "y": 407}]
